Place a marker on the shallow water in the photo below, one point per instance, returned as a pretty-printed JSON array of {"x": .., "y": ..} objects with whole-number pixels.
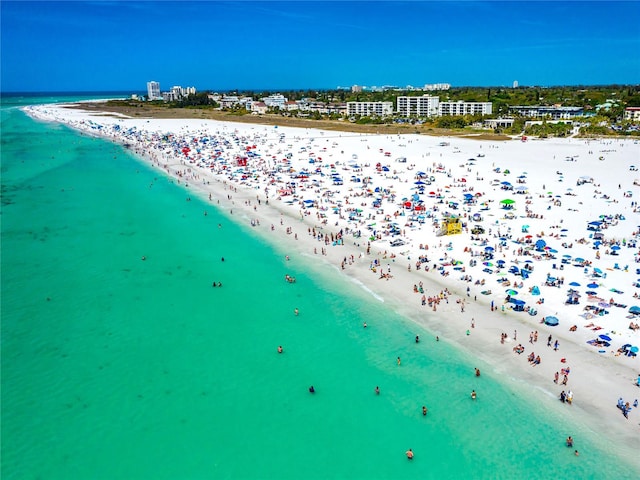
[{"x": 118, "y": 367}]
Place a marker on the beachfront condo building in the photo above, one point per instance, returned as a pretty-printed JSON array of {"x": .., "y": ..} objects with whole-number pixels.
[
  {"x": 153, "y": 91},
  {"x": 553, "y": 112},
  {"x": 424, "y": 106},
  {"x": 632, "y": 113},
  {"x": 464, "y": 108},
  {"x": 276, "y": 100},
  {"x": 370, "y": 109}
]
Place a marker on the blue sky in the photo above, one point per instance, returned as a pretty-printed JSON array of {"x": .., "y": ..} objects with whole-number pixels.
[{"x": 120, "y": 45}]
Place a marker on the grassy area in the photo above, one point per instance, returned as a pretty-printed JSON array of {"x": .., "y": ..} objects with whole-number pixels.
[{"x": 153, "y": 111}]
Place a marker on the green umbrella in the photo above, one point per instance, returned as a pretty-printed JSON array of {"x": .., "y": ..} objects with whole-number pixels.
[{"x": 507, "y": 201}]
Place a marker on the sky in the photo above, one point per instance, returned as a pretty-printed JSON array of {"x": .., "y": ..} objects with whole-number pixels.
[{"x": 263, "y": 45}]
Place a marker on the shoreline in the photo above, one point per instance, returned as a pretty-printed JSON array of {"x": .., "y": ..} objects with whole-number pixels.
[{"x": 596, "y": 379}]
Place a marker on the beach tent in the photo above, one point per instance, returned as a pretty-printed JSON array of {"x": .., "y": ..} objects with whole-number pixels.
[
  {"x": 507, "y": 203},
  {"x": 635, "y": 310},
  {"x": 551, "y": 321}
]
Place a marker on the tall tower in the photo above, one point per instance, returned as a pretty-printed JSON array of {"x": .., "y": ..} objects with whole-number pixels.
[
  {"x": 515, "y": 84},
  {"x": 153, "y": 90}
]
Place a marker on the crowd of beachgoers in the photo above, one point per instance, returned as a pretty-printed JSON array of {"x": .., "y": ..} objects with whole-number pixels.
[{"x": 528, "y": 234}]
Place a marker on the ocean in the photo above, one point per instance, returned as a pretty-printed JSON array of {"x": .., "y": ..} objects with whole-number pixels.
[{"x": 120, "y": 361}]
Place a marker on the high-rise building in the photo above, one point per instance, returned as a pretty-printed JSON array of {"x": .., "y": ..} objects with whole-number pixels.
[
  {"x": 370, "y": 108},
  {"x": 515, "y": 84},
  {"x": 153, "y": 91},
  {"x": 424, "y": 106},
  {"x": 464, "y": 108}
]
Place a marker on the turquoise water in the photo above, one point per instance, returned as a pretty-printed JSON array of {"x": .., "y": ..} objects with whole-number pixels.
[{"x": 115, "y": 367}]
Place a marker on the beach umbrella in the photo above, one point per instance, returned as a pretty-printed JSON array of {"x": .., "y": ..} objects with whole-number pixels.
[
  {"x": 606, "y": 338},
  {"x": 511, "y": 292},
  {"x": 507, "y": 201},
  {"x": 579, "y": 260},
  {"x": 574, "y": 284},
  {"x": 487, "y": 264},
  {"x": 634, "y": 349},
  {"x": 593, "y": 285},
  {"x": 635, "y": 310},
  {"x": 591, "y": 293},
  {"x": 488, "y": 249},
  {"x": 615, "y": 247}
]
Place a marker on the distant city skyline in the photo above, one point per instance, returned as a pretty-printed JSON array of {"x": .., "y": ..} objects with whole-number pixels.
[{"x": 248, "y": 45}]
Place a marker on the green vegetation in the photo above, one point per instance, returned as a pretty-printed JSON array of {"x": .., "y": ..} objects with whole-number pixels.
[{"x": 603, "y": 107}]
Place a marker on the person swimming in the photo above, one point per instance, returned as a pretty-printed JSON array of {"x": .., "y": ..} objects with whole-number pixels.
[
  {"x": 311, "y": 389},
  {"x": 377, "y": 390},
  {"x": 473, "y": 394},
  {"x": 424, "y": 410},
  {"x": 409, "y": 454},
  {"x": 417, "y": 339},
  {"x": 569, "y": 441},
  {"x": 280, "y": 350}
]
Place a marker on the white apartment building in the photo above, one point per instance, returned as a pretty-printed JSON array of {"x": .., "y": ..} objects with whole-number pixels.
[
  {"x": 370, "y": 108},
  {"x": 429, "y": 87},
  {"x": 554, "y": 112},
  {"x": 464, "y": 108},
  {"x": 632, "y": 113},
  {"x": 153, "y": 91},
  {"x": 277, "y": 100},
  {"x": 424, "y": 106}
]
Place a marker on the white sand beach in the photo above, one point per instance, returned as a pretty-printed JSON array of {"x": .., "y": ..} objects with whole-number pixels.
[{"x": 560, "y": 235}]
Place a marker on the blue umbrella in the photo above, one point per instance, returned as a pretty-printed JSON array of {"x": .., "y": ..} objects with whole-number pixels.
[
  {"x": 606, "y": 338},
  {"x": 593, "y": 285},
  {"x": 615, "y": 247},
  {"x": 635, "y": 310},
  {"x": 634, "y": 349},
  {"x": 574, "y": 284}
]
